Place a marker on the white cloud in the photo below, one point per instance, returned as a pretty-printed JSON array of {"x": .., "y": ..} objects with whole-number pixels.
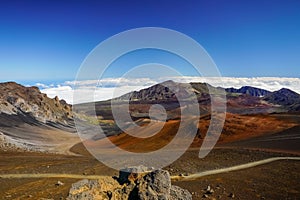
[
  {"x": 113, "y": 82},
  {"x": 102, "y": 89},
  {"x": 112, "y": 87},
  {"x": 63, "y": 92},
  {"x": 267, "y": 83},
  {"x": 41, "y": 85}
]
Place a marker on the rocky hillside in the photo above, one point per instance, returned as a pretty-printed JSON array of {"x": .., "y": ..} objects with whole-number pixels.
[
  {"x": 169, "y": 91},
  {"x": 284, "y": 97},
  {"x": 160, "y": 92},
  {"x": 31, "y": 121},
  {"x": 16, "y": 99}
]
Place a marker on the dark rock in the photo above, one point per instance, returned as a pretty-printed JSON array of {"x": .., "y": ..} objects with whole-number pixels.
[
  {"x": 209, "y": 190},
  {"x": 231, "y": 195},
  {"x": 59, "y": 183}
]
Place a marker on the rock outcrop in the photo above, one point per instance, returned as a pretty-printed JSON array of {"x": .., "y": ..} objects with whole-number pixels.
[{"x": 137, "y": 183}]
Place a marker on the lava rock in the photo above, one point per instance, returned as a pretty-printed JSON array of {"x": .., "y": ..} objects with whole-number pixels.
[{"x": 136, "y": 183}]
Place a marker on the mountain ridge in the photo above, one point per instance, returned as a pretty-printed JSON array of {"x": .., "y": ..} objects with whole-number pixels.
[{"x": 285, "y": 98}]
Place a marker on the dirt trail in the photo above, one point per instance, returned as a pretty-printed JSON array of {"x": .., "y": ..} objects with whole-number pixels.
[
  {"x": 175, "y": 178},
  {"x": 52, "y": 175},
  {"x": 233, "y": 168}
]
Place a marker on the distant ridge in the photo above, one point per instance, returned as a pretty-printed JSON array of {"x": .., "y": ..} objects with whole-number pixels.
[
  {"x": 253, "y": 91},
  {"x": 285, "y": 97}
]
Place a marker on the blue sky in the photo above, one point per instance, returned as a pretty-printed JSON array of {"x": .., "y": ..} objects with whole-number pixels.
[{"x": 48, "y": 40}]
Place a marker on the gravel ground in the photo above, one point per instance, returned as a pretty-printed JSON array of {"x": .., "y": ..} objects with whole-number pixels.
[{"x": 254, "y": 183}]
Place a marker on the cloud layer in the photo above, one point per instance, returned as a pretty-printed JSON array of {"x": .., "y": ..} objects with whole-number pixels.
[{"x": 112, "y": 87}]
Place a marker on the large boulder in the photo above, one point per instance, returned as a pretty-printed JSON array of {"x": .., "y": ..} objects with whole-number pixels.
[{"x": 136, "y": 183}]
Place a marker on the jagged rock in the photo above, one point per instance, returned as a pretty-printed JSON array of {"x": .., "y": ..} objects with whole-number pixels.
[
  {"x": 177, "y": 193},
  {"x": 56, "y": 98},
  {"x": 145, "y": 185},
  {"x": 106, "y": 188},
  {"x": 155, "y": 185},
  {"x": 87, "y": 189}
]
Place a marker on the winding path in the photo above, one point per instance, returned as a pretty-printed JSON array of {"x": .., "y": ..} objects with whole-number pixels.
[
  {"x": 175, "y": 178},
  {"x": 233, "y": 168}
]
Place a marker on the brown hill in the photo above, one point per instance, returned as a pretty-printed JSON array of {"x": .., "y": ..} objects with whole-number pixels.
[{"x": 236, "y": 127}]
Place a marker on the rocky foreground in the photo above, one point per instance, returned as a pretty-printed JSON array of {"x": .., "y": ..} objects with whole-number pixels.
[{"x": 137, "y": 183}]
